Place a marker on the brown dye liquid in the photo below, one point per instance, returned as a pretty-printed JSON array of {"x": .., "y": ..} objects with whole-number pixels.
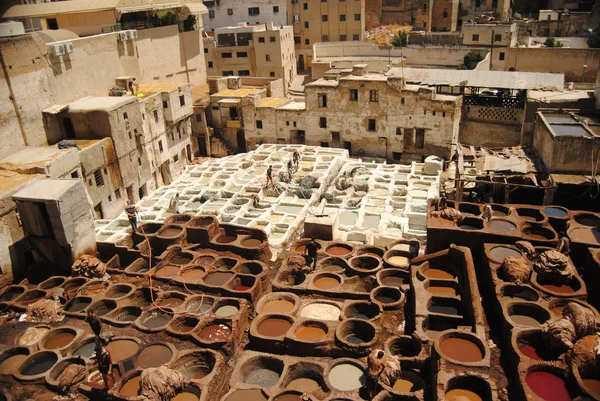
[
  {"x": 218, "y": 278},
  {"x": 461, "y": 350},
  {"x": 403, "y": 386},
  {"x": 185, "y": 396},
  {"x": 438, "y": 274},
  {"x": 498, "y": 213},
  {"x": 246, "y": 395},
  {"x": 131, "y": 388},
  {"x": 536, "y": 236},
  {"x": 278, "y": 306},
  {"x": 186, "y": 327},
  {"x": 11, "y": 364},
  {"x": 192, "y": 274},
  {"x": 95, "y": 380},
  {"x": 301, "y": 249},
  {"x": 252, "y": 242},
  {"x": 171, "y": 232},
  {"x": 310, "y": 333},
  {"x": 392, "y": 281},
  {"x": 226, "y": 239},
  {"x": 289, "y": 397},
  {"x": 215, "y": 332},
  {"x": 205, "y": 260},
  {"x": 525, "y": 320},
  {"x": 154, "y": 356},
  {"x": 171, "y": 302},
  {"x": 530, "y": 352},
  {"x": 558, "y": 310},
  {"x": 593, "y": 386},
  {"x": 122, "y": 349},
  {"x": 338, "y": 251},
  {"x": 502, "y": 226},
  {"x": 500, "y": 252},
  {"x": 326, "y": 283},
  {"x": 181, "y": 260},
  {"x": 590, "y": 235},
  {"x": 444, "y": 291},
  {"x": 167, "y": 271},
  {"x": 273, "y": 327},
  {"x": 303, "y": 384},
  {"x": 562, "y": 289},
  {"x": 59, "y": 340},
  {"x": 459, "y": 394}
]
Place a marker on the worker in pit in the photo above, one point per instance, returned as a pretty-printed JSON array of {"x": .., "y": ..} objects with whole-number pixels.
[
  {"x": 296, "y": 158},
  {"x": 375, "y": 365},
  {"x": 290, "y": 171},
  {"x": 95, "y": 325},
  {"x": 564, "y": 244},
  {"x": 270, "y": 176},
  {"x": 487, "y": 213},
  {"x": 311, "y": 249},
  {"x": 131, "y": 212},
  {"x": 174, "y": 204},
  {"x": 104, "y": 364}
]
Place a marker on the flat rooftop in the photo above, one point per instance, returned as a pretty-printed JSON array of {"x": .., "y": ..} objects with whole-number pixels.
[
  {"x": 237, "y": 92},
  {"x": 33, "y": 158},
  {"x": 273, "y": 102},
  {"x": 46, "y": 189},
  {"x": 148, "y": 89},
  {"x": 100, "y": 103},
  {"x": 569, "y": 124}
]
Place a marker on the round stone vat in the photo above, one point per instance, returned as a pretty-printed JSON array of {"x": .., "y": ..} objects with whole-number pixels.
[
  {"x": 538, "y": 232},
  {"x": 250, "y": 267},
  {"x": 205, "y": 260},
  {"x": 527, "y": 314},
  {"x": 139, "y": 266},
  {"x": 500, "y": 210},
  {"x": 36, "y": 365},
  {"x": 58, "y": 339},
  {"x": 226, "y": 307},
  {"x": 333, "y": 265},
  {"x": 514, "y": 292},
  {"x": 471, "y": 224},
  {"x": 32, "y": 336},
  {"x": 119, "y": 291},
  {"x": 445, "y": 306},
  {"x": 86, "y": 348},
  {"x": 407, "y": 381},
  {"x": 530, "y": 214},
  {"x": 254, "y": 394},
  {"x": 171, "y": 299},
  {"x": 225, "y": 263},
  {"x": 371, "y": 251},
  {"x": 392, "y": 277},
  {"x": 215, "y": 331},
  {"x": 339, "y": 249},
  {"x": 181, "y": 258},
  {"x": 123, "y": 348},
  {"x": 584, "y": 234},
  {"x": 167, "y": 271},
  {"x": 195, "y": 365},
  {"x": 311, "y": 331},
  {"x": 218, "y": 278},
  {"x": 347, "y": 375},
  {"x": 179, "y": 219},
  {"x": 304, "y": 377},
  {"x": 170, "y": 231},
  {"x": 198, "y": 304},
  {"x": 55, "y": 374},
  {"x": 362, "y": 310},
  {"x": 530, "y": 344},
  {"x": 242, "y": 282},
  {"x": 327, "y": 281},
  {"x": 469, "y": 388},
  {"x": 262, "y": 371},
  {"x": 153, "y": 320},
  {"x": 499, "y": 253},
  {"x": 560, "y": 290},
  {"x": 30, "y": 297},
  {"x": 469, "y": 208},
  {"x": 277, "y": 303},
  {"x": 398, "y": 259},
  {"x": 443, "y": 288},
  {"x": 547, "y": 383},
  {"x": 126, "y": 314},
  {"x": 460, "y": 347},
  {"x": 188, "y": 393},
  {"x": 149, "y": 229},
  {"x": 11, "y": 360},
  {"x": 225, "y": 239},
  {"x": 52, "y": 282},
  {"x": 11, "y": 293},
  {"x": 192, "y": 274},
  {"x": 93, "y": 287},
  {"x": 388, "y": 297},
  {"x": 446, "y": 272},
  {"x": 102, "y": 307},
  {"x": 78, "y": 304},
  {"x": 321, "y": 311},
  {"x": 293, "y": 395},
  {"x": 404, "y": 346},
  {"x": 356, "y": 333},
  {"x": 588, "y": 219},
  {"x": 155, "y": 355},
  {"x": 183, "y": 325},
  {"x": 130, "y": 385},
  {"x": 365, "y": 265},
  {"x": 556, "y": 212},
  {"x": 502, "y": 226},
  {"x": 252, "y": 243},
  {"x": 273, "y": 326}
]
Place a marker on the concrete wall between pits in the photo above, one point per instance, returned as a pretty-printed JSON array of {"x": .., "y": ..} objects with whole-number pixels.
[{"x": 491, "y": 126}]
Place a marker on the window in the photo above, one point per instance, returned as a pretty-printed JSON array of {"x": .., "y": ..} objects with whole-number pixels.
[
  {"x": 272, "y": 39},
  {"x": 139, "y": 161},
  {"x": 475, "y": 37},
  {"x": 295, "y": 19},
  {"x": 211, "y": 13},
  {"x": 175, "y": 158},
  {"x": 445, "y": 13},
  {"x": 109, "y": 198},
  {"x": 307, "y": 41},
  {"x": 342, "y": 38},
  {"x": 498, "y": 37},
  {"x": 182, "y": 100},
  {"x": 230, "y": 11},
  {"x": 356, "y": 17},
  {"x": 244, "y": 73},
  {"x": 228, "y": 73},
  {"x": 268, "y": 57},
  {"x": 99, "y": 178},
  {"x": 419, "y": 138},
  {"x": 324, "y": 18},
  {"x": 294, "y": 123},
  {"x": 261, "y": 40},
  {"x": 165, "y": 104},
  {"x": 444, "y": 114},
  {"x": 396, "y": 155},
  {"x": 305, "y": 6},
  {"x": 325, "y": 38},
  {"x": 324, "y": 144},
  {"x": 353, "y": 95},
  {"x": 242, "y": 54},
  {"x": 272, "y": 73},
  {"x": 342, "y": 17},
  {"x": 125, "y": 116},
  {"x": 322, "y": 99},
  {"x": 398, "y": 131},
  {"x": 254, "y": 11},
  {"x": 118, "y": 193},
  {"x": 306, "y": 24},
  {"x": 355, "y": 37},
  {"x": 75, "y": 174},
  {"x": 205, "y": 50},
  {"x": 374, "y": 95},
  {"x": 402, "y": 101},
  {"x": 275, "y": 9},
  {"x": 296, "y": 40},
  {"x": 198, "y": 118},
  {"x": 160, "y": 147},
  {"x": 215, "y": 108},
  {"x": 210, "y": 64},
  {"x": 259, "y": 124},
  {"x": 494, "y": 3},
  {"x": 372, "y": 124},
  {"x": 424, "y": 112},
  {"x": 323, "y": 122},
  {"x": 226, "y": 55},
  {"x": 501, "y": 56},
  {"x": 287, "y": 123},
  {"x": 155, "y": 115},
  {"x": 424, "y": 6}
]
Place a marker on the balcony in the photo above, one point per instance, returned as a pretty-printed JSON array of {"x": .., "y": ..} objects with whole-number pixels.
[{"x": 233, "y": 124}]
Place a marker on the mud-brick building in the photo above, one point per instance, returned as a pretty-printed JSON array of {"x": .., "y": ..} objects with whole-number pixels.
[{"x": 371, "y": 115}]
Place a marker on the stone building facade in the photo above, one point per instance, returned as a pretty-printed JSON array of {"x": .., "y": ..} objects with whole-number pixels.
[{"x": 232, "y": 12}]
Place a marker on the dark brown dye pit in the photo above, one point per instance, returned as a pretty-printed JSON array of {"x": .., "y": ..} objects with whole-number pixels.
[
  {"x": 167, "y": 271},
  {"x": 226, "y": 239},
  {"x": 192, "y": 274},
  {"x": 78, "y": 305},
  {"x": 273, "y": 327},
  {"x": 251, "y": 243},
  {"x": 338, "y": 251},
  {"x": 59, "y": 340},
  {"x": 246, "y": 395},
  {"x": 171, "y": 302},
  {"x": 157, "y": 320},
  {"x": 438, "y": 274},
  {"x": 154, "y": 355},
  {"x": 170, "y": 232},
  {"x": 326, "y": 283},
  {"x": 122, "y": 349},
  {"x": 310, "y": 333},
  {"x": 461, "y": 350},
  {"x": 443, "y": 291},
  {"x": 215, "y": 332},
  {"x": 102, "y": 309},
  {"x": 500, "y": 252},
  {"x": 11, "y": 294},
  {"x": 448, "y": 310},
  {"x": 205, "y": 260},
  {"x": 132, "y": 387},
  {"x": 392, "y": 281},
  {"x": 278, "y": 306},
  {"x": 385, "y": 299},
  {"x": 96, "y": 381},
  {"x": 502, "y": 226},
  {"x": 561, "y": 289},
  {"x": 182, "y": 260},
  {"x": 218, "y": 278},
  {"x": 39, "y": 364},
  {"x": 12, "y": 363}
]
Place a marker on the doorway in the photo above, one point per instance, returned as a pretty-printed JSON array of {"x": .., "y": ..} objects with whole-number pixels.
[
  {"x": 142, "y": 191},
  {"x": 300, "y": 62},
  {"x": 348, "y": 147},
  {"x": 335, "y": 140},
  {"x": 98, "y": 211},
  {"x": 241, "y": 140},
  {"x": 68, "y": 126}
]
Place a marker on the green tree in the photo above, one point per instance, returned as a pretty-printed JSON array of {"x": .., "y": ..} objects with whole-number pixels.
[
  {"x": 471, "y": 60},
  {"x": 551, "y": 42},
  {"x": 400, "y": 40}
]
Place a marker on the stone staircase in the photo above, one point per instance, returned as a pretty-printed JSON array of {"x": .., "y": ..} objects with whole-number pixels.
[{"x": 224, "y": 142}]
